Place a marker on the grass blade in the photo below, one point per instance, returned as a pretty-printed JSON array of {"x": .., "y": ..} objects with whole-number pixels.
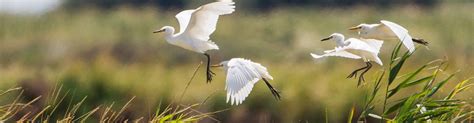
[
  {"x": 459, "y": 87},
  {"x": 351, "y": 115},
  {"x": 396, "y": 69},
  {"x": 439, "y": 85}
]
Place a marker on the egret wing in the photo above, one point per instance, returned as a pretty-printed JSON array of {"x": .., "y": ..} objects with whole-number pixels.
[
  {"x": 401, "y": 33},
  {"x": 262, "y": 71},
  {"x": 371, "y": 46},
  {"x": 328, "y": 51},
  {"x": 203, "y": 21},
  {"x": 357, "y": 44},
  {"x": 375, "y": 44},
  {"x": 339, "y": 53},
  {"x": 183, "y": 19},
  {"x": 241, "y": 77}
]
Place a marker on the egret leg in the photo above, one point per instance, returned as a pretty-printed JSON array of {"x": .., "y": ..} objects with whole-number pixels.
[
  {"x": 209, "y": 73},
  {"x": 361, "y": 77},
  {"x": 420, "y": 41},
  {"x": 354, "y": 73},
  {"x": 275, "y": 93}
]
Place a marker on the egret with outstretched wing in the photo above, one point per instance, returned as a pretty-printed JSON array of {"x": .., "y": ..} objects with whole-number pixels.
[
  {"x": 242, "y": 74},
  {"x": 195, "y": 27},
  {"x": 386, "y": 30},
  {"x": 365, "y": 49}
]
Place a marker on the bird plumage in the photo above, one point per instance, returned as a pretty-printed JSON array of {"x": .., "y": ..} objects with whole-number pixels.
[
  {"x": 195, "y": 26},
  {"x": 366, "y": 49},
  {"x": 386, "y": 30},
  {"x": 242, "y": 74}
]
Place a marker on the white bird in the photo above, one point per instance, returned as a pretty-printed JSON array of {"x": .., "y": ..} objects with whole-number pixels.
[
  {"x": 386, "y": 30},
  {"x": 242, "y": 74},
  {"x": 365, "y": 49},
  {"x": 195, "y": 27}
]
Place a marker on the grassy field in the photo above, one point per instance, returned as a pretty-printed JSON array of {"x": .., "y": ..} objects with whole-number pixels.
[{"x": 112, "y": 56}]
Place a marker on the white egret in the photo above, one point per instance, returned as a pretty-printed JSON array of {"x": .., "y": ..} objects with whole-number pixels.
[
  {"x": 195, "y": 27},
  {"x": 365, "y": 49},
  {"x": 242, "y": 74},
  {"x": 386, "y": 30}
]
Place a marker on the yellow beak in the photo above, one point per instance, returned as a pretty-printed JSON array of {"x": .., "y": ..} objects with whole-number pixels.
[
  {"x": 217, "y": 65},
  {"x": 355, "y": 28}
]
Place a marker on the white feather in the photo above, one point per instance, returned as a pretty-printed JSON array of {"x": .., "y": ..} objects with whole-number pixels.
[
  {"x": 357, "y": 49},
  {"x": 183, "y": 18},
  {"x": 242, "y": 74},
  {"x": 376, "y": 44},
  {"x": 401, "y": 33},
  {"x": 204, "y": 19},
  {"x": 197, "y": 25}
]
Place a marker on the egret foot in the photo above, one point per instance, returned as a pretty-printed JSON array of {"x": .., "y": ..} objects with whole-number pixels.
[
  {"x": 209, "y": 73},
  {"x": 354, "y": 73},
  {"x": 420, "y": 41},
  {"x": 275, "y": 92},
  {"x": 361, "y": 77}
]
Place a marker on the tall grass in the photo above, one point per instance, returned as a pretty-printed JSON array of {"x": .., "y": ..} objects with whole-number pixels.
[
  {"x": 23, "y": 112},
  {"x": 421, "y": 104}
]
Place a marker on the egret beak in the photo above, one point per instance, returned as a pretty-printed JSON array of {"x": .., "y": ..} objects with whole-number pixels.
[
  {"x": 158, "y": 31},
  {"x": 355, "y": 28},
  {"x": 325, "y": 39},
  {"x": 217, "y": 65}
]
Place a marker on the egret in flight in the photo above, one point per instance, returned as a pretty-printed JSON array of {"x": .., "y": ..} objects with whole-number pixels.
[
  {"x": 386, "y": 30},
  {"x": 242, "y": 74},
  {"x": 365, "y": 49},
  {"x": 195, "y": 27}
]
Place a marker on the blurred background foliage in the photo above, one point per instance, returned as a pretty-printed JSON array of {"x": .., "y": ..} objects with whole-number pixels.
[
  {"x": 250, "y": 4},
  {"x": 104, "y": 49}
]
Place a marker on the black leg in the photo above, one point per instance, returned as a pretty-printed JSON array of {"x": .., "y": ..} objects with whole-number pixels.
[
  {"x": 209, "y": 73},
  {"x": 354, "y": 73},
  {"x": 361, "y": 77},
  {"x": 420, "y": 41},
  {"x": 275, "y": 93}
]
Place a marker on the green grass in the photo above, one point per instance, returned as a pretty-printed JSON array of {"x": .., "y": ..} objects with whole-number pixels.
[
  {"x": 112, "y": 56},
  {"x": 58, "y": 108},
  {"x": 421, "y": 105}
]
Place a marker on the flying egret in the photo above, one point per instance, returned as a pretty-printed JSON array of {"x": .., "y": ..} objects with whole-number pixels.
[
  {"x": 242, "y": 74},
  {"x": 195, "y": 27},
  {"x": 365, "y": 49},
  {"x": 386, "y": 30}
]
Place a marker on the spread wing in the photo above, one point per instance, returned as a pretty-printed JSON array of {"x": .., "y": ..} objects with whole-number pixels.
[
  {"x": 203, "y": 20},
  {"x": 340, "y": 53},
  {"x": 376, "y": 44},
  {"x": 370, "y": 46},
  {"x": 355, "y": 44},
  {"x": 401, "y": 33},
  {"x": 183, "y": 19},
  {"x": 241, "y": 77},
  {"x": 360, "y": 44}
]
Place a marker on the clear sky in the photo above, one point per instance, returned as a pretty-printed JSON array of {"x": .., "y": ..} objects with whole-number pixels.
[{"x": 28, "y": 7}]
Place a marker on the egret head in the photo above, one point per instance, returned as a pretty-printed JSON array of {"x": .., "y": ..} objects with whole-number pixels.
[
  {"x": 362, "y": 26},
  {"x": 334, "y": 36},
  {"x": 165, "y": 29}
]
